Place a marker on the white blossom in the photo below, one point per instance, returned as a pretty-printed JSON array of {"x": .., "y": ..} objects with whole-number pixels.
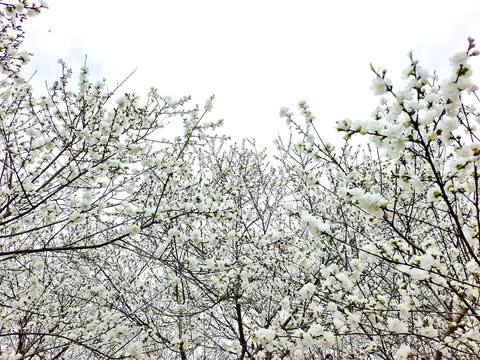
[
  {"x": 307, "y": 290},
  {"x": 208, "y": 105},
  {"x": 135, "y": 349},
  {"x": 397, "y": 326},
  {"x": 380, "y": 86},
  {"x": 403, "y": 352}
]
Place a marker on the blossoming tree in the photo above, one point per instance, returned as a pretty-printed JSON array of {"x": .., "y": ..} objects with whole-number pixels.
[
  {"x": 117, "y": 241},
  {"x": 398, "y": 218},
  {"x": 81, "y": 178}
]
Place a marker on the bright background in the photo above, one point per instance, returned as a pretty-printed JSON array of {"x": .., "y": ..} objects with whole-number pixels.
[{"x": 254, "y": 56}]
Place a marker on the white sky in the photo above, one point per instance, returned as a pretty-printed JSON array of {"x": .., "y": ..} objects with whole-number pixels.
[{"x": 254, "y": 56}]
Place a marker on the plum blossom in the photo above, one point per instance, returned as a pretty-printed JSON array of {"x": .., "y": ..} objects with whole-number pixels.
[
  {"x": 403, "y": 352},
  {"x": 284, "y": 111},
  {"x": 135, "y": 349},
  {"x": 459, "y": 58},
  {"x": 307, "y": 290},
  {"x": 380, "y": 86},
  {"x": 397, "y": 326},
  {"x": 208, "y": 105},
  {"x": 329, "y": 339},
  {"x": 316, "y": 330},
  {"x": 344, "y": 124},
  {"x": 265, "y": 336}
]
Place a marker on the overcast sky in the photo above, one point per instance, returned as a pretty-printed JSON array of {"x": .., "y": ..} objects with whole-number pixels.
[{"x": 254, "y": 56}]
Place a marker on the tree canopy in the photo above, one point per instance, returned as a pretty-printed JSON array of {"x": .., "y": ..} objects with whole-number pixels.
[{"x": 123, "y": 235}]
